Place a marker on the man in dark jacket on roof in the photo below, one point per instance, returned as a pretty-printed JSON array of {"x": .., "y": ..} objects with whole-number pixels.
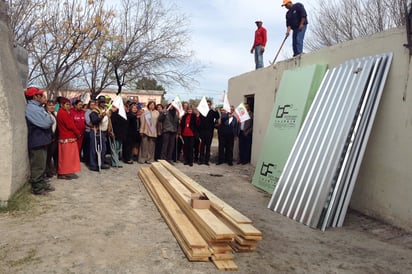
[{"x": 296, "y": 20}]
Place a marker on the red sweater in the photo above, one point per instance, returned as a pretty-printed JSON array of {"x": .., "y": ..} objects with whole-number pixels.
[
  {"x": 186, "y": 130},
  {"x": 79, "y": 119},
  {"x": 260, "y": 37},
  {"x": 65, "y": 124}
]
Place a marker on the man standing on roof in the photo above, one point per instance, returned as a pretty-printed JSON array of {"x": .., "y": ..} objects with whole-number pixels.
[
  {"x": 259, "y": 44},
  {"x": 296, "y": 20}
]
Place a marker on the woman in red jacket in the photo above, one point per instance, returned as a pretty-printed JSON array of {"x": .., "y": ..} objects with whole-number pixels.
[
  {"x": 188, "y": 130},
  {"x": 77, "y": 113},
  {"x": 69, "y": 160}
]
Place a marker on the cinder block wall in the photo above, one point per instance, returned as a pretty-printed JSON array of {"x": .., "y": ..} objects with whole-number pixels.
[
  {"x": 13, "y": 137},
  {"x": 384, "y": 187}
]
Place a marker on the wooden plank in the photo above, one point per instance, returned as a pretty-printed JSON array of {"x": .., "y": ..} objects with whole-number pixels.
[
  {"x": 219, "y": 248},
  {"x": 247, "y": 231},
  {"x": 193, "y": 254},
  {"x": 217, "y": 203},
  {"x": 222, "y": 231},
  {"x": 192, "y": 243},
  {"x": 242, "y": 241},
  {"x": 223, "y": 257},
  {"x": 225, "y": 265},
  {"x": 207, "y": 223},
  {"x": 239, "y": 248}
]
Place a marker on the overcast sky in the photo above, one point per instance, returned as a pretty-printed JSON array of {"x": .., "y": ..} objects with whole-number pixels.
[{"x": 222, "y": 34}]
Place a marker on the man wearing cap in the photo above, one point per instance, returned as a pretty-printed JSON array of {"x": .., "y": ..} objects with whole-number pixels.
[
  {"x": 296, "y": 20},
  {"x": 100, "y": 126},
  {"x": 39, "y": 124},
  {"x": 259, "y": 44}
]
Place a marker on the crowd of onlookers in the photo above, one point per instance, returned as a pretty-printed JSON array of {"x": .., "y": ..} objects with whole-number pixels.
[{"x": 105, "y": 133}]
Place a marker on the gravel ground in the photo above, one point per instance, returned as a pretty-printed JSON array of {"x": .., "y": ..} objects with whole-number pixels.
[{"x": 107, "y": 223}]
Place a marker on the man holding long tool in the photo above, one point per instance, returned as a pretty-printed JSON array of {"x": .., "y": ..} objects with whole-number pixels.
[
  {"x": 296, "y": 20},
  {"x": 259, "y": 44},
  {"x": 100, "y": 125}
]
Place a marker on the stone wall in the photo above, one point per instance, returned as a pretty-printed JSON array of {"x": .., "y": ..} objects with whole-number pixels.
[{"x": 14, "y": 164}]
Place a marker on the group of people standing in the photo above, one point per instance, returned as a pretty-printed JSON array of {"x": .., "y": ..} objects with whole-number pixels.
[
  {"x": 59, "y": 140},
  {"x": 296, "y": 20}
]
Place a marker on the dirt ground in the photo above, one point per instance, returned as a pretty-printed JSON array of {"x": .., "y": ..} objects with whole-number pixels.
[{"x": 107, "y": 223}]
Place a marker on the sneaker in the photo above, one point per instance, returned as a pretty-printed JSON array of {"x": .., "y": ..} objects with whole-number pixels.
[{"x": 104, "y": 166}]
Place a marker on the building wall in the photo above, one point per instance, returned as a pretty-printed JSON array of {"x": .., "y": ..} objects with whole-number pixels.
[
  {"x": 383, "y": 189},
  {"x": 144, "y": 96},
  {"x": 14, "y": 169}
]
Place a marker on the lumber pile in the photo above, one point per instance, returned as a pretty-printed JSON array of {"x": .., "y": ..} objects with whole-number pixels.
[{"x": 214, "y": 233}]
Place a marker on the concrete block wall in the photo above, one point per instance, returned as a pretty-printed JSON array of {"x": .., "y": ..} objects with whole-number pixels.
[
  {"x": 384, "y": 187},
  {"x": 14, "y": 164}
]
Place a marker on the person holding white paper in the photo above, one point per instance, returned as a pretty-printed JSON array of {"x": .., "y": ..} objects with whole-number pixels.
[{"x": 148, "y": 132}]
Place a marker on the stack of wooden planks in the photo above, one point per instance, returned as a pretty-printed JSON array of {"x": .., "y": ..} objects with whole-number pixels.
[{"x": 203, "y": 234}]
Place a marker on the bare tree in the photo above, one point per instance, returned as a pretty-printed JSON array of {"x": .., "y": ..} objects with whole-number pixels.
[
  {"x": 337, "y": 21},
  {"x": 24, "y": 16},
  {"x": 74, "y": 43},
  {"x": 151, "y": 42},
  {"x": 60, "y": 35}
]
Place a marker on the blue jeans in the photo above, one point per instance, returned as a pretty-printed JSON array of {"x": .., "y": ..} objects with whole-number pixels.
[
  {"x": 297, "y": 42},
  {"x": 258, "y": 57}
]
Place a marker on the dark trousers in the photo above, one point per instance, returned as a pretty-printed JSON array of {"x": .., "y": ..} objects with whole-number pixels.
[
  {"x": 51, "y": 159},
  {"x": 158, "y": 147},
  {"x": 196, "y": 148},
  {"x": 178, "y": 151},
  {"x": 86, "y": 147},
  {"x": 245, "y": 148},
  {"x": 168, "y": 146},
  {"x": 127, "y": 149},
  {"x": 38, "y": 168},
  {"x": 99, "y": 143},
  {"x": 188, "y": 148},
  {"x": 226, "y": 149},
  {"x": 206, "y": 142}
]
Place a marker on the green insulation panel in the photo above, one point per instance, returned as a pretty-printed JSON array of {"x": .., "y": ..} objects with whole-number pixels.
[{"x": 296, "y": 91}]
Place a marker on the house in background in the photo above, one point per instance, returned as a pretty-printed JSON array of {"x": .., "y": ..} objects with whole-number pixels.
[{"x": 139, "y": 95}]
